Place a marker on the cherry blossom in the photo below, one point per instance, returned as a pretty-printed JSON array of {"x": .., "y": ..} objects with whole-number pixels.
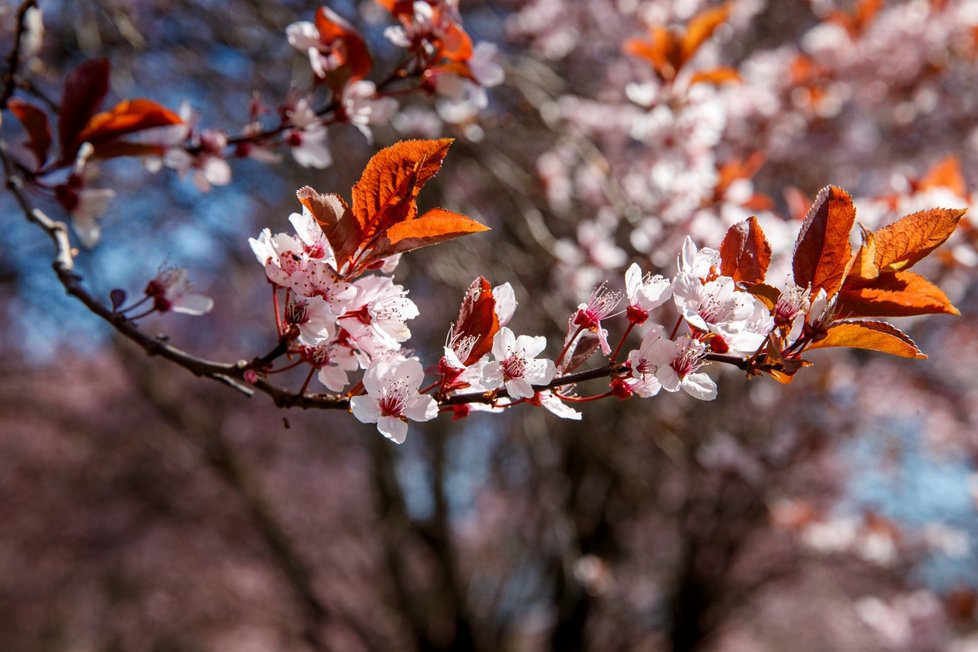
[
  {"x": 363, "y": 107},
  {"x": 516, "y": 365},
  {"x": 792, "y": 304},
  {"x": 464, "y": 96},
  {"x": 675, "y": 364},
  {"x": 333, "y": 360},
  {"x": 600, "y": 305},
  {"x": 85, "y": 205},
  {"x": 645, "y": 293},
  {"x": 207, "y": 168},
  {"x": 672, "y": 364},
  {"x": 170, "y": 289},
  {"x": 392, "y": 397},
  {"x": 308, "y": 139},
  {"x": 304, "y": 37},
  {"x": 640, "y": 360},
  {"x": 555, "y": 406},
  {"x": 313, "y": 318},
  {"x": 717, "y": 307},
  {"x": 375, "y": 319}
]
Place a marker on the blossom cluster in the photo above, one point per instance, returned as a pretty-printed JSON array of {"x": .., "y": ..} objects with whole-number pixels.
[
  {"x": 441, "y": 61},
  {"x": 871, "y": 67},
  {"x": 343, "y": 311}
]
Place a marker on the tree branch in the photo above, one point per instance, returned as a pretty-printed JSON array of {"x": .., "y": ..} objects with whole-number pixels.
[{"x": 234, "y": 374}]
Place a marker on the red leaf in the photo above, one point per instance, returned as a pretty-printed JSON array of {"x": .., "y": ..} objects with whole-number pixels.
[
  {"x": 352, "y": 53},
  {"x": 745, "y": 252},
  {"x": 716, "y": 76},
  {"x": 85, "y": 90},
  {"x": 336, "y": 220},
  {"x": 871, "y": 335},
  {"x": 822, "y": 251},
  {"x": 858, "y": 20},
  {"x": 119, "y": 148},
  {"x": 583, "y": 348},
  {"x": 700, "y": 28},
  {"x": 437, "y": 225},
  {"x": 766, "y": 294},
  {"x": 455, "y": 44},
  {"x": 124, "y": 118},
  {"x": 385, "y": 193},
  {"x": 895, "y": 294},
  {"x": 798, "y": 203},
  {"x": 477, "y": 320},
  {"x": 946, "y": 174},
  {"x": 35, "y": 122},
  {"x": 901, "y": 244}
]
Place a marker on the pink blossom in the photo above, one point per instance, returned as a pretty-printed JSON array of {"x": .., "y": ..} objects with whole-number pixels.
[
  {"x": 362, "y": 107},
  {"x": 376, "y": 316},
  {"x": 334, "y": 361},
  {"x": 85, "y": 205},
  {"x": 170, "y": 289},
  {"x": 600, "y": 305},
  {"x": 208, "y": 167},
  {"x": 308, "y": 137},
  {"x": 645, "y": 293},
  {"x": 547, "y": 399},
  {"x": 313, "y": 317},
  {"x": 392, "y": 397},
  {"x": 673, "y": 364},
  {"x": 515, "y": 364}
]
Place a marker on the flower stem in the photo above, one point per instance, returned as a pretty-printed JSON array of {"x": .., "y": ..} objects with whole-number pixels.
[
  {"x": 621, "y": 342},
  {"x": 567, "y": 346},
  {"x": 305, "y": 385},
  {"x": 675, "y": 329},
  {"x": 278, "y": 312}
]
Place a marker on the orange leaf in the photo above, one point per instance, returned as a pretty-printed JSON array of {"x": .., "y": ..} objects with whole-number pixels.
[
  {"x": 353, "y": 53},
  {"x": 700, "y": 28},
  {"x": 822, "y": 251},
  {"x": 385, "y": 193},
  {"x": 858, "y": 21},
  {"x": 477, "y": 320},
  {"x": 766, "y": 294},
  {"x": 437, "y": 225},
  {"x": 798, "y": 203},
  {"x": 656, "y": 51},
  {"x": 36, "y": 125},
  {"x": 895, "y": 294},
  {"x": 946, "y": 174},
  {"x": 118, "y": 148},
  {"x": 863, "y": 270},
  {"x": 720, "y": 75},
  {"x": 871, "y": 335},
  {"x": 455, "y": 44},
  {"x": 336, "y": 220},
  {"x": 745, "y": 252},
  {"x": 736, "y": 169},
  {"x": 903, "y": 243},
  {"x": 759, "y": 202},
  {"x": 127, "y": 117}
]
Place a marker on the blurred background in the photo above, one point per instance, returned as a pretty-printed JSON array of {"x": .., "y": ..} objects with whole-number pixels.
[{"x": 144, "y": 509}]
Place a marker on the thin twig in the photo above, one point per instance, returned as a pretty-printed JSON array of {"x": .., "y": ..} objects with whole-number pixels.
[{"x": 13, "y": 59}]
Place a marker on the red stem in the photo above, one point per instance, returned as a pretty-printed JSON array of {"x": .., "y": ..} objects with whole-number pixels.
[
  {"x": 275, "y": 307},
  {"x": 567, "y": 346},
  {"x": 621, "y": 342},
  {"x": 305, "y": 385},
  {"x": 675, "y": 329}
]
